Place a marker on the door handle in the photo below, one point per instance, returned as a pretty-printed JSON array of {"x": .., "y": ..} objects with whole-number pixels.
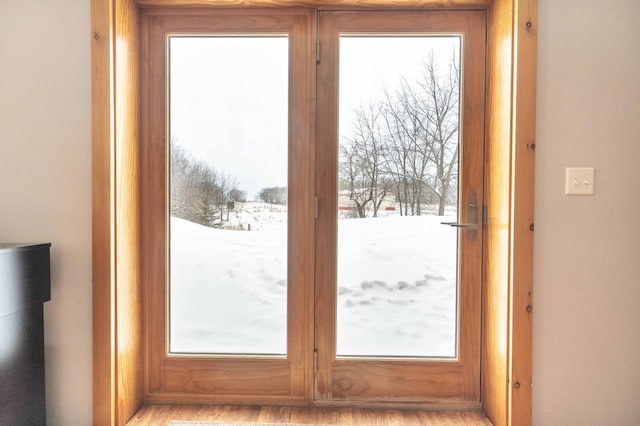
[
  {"x": 472, "y": 218},
  {"x": 461, "y": 225}
]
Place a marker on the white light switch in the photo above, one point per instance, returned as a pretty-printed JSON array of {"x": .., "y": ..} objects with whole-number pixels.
[{"x": 579, "y": 181}]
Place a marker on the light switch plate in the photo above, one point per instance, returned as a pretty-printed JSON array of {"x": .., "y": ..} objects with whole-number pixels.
[{"x": 579, "y": 181}]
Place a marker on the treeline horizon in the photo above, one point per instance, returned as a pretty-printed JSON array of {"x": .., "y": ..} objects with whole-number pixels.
[{"x": 200, "y": 193}]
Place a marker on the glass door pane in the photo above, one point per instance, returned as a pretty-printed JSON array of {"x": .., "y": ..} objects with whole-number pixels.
[
  {"x": 228, "y": 121},
  {"x": 398, "y": 158}
]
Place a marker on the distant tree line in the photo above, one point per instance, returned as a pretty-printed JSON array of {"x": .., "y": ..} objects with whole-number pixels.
[
  {"x": 406, "y": 144},
  {"x": 199, "y": 192},
  {"x": 273, "y": 195}
]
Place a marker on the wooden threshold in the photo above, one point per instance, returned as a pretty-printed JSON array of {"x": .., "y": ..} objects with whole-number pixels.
[{"x": 162, "y": 415}]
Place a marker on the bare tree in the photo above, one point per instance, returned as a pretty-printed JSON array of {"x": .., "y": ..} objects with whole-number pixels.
[
  {"x": 178, "y": 165},
  {"x": 228, "y": 185},
  {"x": 238, "y": 195},
  {"x": 441, "y": 108},
  {"x": 361, "y": 163},
  {"x": 421, "y": 125},
  {"x": 408, "y": 152},
  {"x": 397, "y": 151},
  {"x": 204, "y": 205},
  {"x": 193, "y": 187}
]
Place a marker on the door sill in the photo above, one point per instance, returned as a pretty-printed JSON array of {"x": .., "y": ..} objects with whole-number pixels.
[{"x": 163, "y": 415}]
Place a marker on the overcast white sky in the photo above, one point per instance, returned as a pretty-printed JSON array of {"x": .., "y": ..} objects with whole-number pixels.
[{"x": 229, "y": 95}]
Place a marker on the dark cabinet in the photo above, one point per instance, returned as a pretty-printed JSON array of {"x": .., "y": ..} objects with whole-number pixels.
[{"x": 24, "y": 287}]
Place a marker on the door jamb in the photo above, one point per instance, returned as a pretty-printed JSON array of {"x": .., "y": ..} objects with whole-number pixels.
[{"x": 507, "y": 302}]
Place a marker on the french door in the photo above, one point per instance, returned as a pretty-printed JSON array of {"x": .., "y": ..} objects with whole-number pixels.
[
  {"x": 229, "y": 118},
  {"x": 399, "y": 181},
  {"x": 314, "y": 187}
]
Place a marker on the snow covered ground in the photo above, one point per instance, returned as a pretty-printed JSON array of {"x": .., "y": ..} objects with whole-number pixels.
[{"x": 396, "y": 285}]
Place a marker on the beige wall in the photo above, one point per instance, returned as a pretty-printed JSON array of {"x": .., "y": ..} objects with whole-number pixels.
[
  {"x": 587, "y": 271},
  {"x": 586, "y": 355},
  {"x": 45, "y": 178}
]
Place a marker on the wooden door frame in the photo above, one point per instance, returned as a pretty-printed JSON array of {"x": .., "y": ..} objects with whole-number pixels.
[{"x": 118, "y": 349}]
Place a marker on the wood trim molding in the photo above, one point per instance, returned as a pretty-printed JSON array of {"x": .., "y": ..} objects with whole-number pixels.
[
  {"x": 507, "y": 299},
  {"x": 508, "y": 283},
  {"x": 525, "y": 26},
  {"x": 102, "y": 99},
  {"x": 117, "y": 312},
  {"x": 495, "y": 340}
]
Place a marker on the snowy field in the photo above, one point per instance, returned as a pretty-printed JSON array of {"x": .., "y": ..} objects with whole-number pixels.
[{"x": 396, "y": 285}]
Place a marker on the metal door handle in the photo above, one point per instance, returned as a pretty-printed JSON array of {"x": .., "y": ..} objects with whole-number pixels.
[
  {"x": 472, "y": 224},
  {"x": 461, "y": 225}
]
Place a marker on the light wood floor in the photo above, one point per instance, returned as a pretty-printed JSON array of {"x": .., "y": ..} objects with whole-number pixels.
[{"x": 161, "y": 415}]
